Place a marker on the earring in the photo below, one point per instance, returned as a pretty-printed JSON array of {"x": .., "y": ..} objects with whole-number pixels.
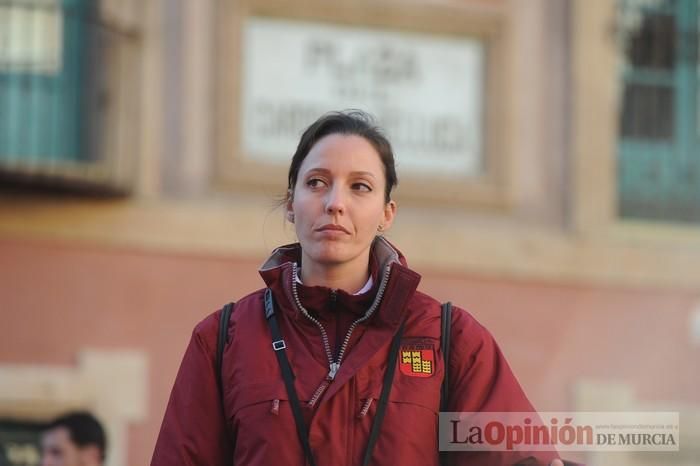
[
  {"x": 380, "y": 228},
  {"x": 290, "y": 216}
]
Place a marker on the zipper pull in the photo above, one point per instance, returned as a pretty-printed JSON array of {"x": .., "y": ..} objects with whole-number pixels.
[
  {"x": 334, "y": 366},
  {"x": 365, "y": 408},
  {"x": 319, "y": 392}
]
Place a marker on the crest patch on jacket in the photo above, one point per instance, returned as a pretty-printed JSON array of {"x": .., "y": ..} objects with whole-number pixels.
[{"x": 417, "y": 359}]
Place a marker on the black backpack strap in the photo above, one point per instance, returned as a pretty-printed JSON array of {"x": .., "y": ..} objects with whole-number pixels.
[
  {"x": 221, "y": 344},
  {"x": 384, "y": 397},
  {"x": 445, "y": 331},
  {"x": 446, "y": 326},
  {"x": 279, "y": 346}
]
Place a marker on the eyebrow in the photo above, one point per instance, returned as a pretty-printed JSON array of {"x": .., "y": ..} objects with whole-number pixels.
[{"x": 325, "y": 171}]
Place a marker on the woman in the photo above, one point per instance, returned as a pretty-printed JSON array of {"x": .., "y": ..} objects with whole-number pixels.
[{"x": 343, "y": 298}]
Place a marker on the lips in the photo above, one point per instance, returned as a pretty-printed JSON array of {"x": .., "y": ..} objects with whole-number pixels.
[{"x": 333, "y": 227}]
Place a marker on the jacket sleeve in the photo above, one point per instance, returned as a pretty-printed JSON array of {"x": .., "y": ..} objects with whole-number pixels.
[
  {"x": 482, "y": 381},
  {"x": 194, "y": 431}
]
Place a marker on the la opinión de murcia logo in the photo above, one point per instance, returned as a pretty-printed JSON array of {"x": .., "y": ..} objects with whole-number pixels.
[{"x": 587, "y": 431}]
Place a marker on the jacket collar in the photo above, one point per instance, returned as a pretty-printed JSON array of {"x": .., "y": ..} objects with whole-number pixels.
[{"x": 388, "y": 268}]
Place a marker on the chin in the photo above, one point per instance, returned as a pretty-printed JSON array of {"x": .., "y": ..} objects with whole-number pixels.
[
  {"x": 331, "y": 254},
  {"x": 331, "y": 258}
]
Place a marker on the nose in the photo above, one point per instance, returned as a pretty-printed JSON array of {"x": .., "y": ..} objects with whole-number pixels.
[{"x": 335, "y": 202}]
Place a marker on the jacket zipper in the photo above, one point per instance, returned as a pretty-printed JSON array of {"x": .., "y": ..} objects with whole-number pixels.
[
  {"x": 365, "y": 407},
  {"x": 334, "y": 364}
]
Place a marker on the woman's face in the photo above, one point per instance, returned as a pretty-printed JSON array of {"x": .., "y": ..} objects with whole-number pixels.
[{"x": 338, "y": 202}]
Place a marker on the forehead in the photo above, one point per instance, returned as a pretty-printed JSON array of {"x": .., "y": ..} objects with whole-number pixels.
[
  {"x": 58, "y": 437},
  {"x": 343, "y": 152}
]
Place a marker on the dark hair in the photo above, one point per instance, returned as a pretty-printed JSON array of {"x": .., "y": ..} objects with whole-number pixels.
[
  {"x": 84, "y": 430},
  {"x": 349, "y": 122}
]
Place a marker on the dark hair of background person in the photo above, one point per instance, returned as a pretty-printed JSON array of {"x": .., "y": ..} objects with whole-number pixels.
[
  {"x": 346, "y": 122},
  {"x": 84, "y": 430}
]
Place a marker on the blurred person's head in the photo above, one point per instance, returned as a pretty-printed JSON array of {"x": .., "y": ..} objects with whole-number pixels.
[{"x": 74, "y": 439}]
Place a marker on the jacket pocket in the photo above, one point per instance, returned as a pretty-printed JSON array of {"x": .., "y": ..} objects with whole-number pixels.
[
  {"x": 409, "y": 430},
  {"x": 247, "y": 395},
  {"x": 259, "y": 416}
]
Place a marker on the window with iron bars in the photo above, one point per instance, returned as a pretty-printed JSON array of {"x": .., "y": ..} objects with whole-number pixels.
[
  {"x": 659, "y": 137},
  {"x": 61, "y": 97}
]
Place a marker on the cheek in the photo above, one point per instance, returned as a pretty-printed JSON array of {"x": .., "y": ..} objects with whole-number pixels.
[
  {"x": 304, "y": 213},
  {"x": 369, "y": 219}
]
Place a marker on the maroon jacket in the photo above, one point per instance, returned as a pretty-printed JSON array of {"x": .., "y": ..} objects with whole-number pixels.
[{"x": 255, "y": 427}]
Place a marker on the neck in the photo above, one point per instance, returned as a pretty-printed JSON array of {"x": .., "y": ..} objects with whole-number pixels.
[{"x": 348, "y": 277}]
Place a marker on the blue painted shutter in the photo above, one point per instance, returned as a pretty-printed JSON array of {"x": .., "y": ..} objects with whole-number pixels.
[
  {"x": 41, "y": 113},
  {"x": 659, "y": 144}
]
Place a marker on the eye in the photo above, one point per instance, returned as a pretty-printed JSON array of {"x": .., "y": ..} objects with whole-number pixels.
[
  {"x": 314, "y": 183},
  {"x": 364, "y": 187}
]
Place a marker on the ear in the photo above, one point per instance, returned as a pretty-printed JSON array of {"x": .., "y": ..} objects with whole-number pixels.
[{"x": 389, "y": 215}]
